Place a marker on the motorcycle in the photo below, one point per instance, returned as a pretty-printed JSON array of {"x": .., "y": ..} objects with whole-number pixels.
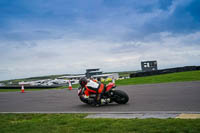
[{"x": 109, "y": 95}]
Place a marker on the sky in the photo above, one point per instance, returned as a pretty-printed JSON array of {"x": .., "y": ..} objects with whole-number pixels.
[{"x": 47, "y": 37}]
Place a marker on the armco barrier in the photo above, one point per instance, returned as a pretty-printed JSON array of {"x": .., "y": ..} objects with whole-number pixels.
[{"x": 165, "y": 71}]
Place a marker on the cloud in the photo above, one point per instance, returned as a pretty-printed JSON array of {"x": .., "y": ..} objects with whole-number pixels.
[
  {"x": 65, "y": 36},
  {"x": 170, "y": 50},
  {"x": 127, "y": 19},
  {"x": 63, "y": 56}
]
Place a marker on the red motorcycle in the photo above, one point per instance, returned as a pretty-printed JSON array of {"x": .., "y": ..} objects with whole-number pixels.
[{"x": 109, "y": 95}]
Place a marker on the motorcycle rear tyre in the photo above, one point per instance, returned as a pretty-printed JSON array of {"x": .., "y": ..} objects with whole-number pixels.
[{"x": 120, "y": 97}]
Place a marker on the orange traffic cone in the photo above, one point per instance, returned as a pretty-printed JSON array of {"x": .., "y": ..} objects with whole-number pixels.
[
  {"x": 70, "y": 85},
  {"x": 22, "y": 89}
]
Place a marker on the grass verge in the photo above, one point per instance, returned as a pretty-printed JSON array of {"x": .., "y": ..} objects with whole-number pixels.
[
  {"x": 164, "y": 78},
  {"x": 15, "y": 90},
  {"x": 75, "y": 123}
]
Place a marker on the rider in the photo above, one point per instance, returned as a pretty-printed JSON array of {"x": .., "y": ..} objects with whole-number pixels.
[{"x": 92, "y": 86}]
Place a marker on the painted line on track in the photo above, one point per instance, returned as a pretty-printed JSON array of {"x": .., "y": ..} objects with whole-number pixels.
[
  {"x": 188, "y": 116},
  {"x": 127, "y": 115}
]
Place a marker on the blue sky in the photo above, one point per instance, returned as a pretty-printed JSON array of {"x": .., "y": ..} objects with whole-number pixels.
[{"x": 43, "y": 37}]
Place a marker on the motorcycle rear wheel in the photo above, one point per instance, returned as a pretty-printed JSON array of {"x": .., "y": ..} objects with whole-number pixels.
[{"x": 120, "y": 97}]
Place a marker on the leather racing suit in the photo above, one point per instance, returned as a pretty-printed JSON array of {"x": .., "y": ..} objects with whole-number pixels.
[{"x": 96, "y": 88}]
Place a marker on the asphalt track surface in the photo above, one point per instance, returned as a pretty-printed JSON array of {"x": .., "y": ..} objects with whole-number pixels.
[{"x": 181, "y": 96}]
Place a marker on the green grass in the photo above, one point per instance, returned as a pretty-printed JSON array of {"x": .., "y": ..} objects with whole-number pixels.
[
  {"x": 164, "y": 78},
  {"x": 76, "y": 123},
  {"x": 75, "y": 85}
]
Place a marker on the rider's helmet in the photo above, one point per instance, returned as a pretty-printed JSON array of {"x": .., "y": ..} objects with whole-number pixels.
[{"x": 83, "y": 81}]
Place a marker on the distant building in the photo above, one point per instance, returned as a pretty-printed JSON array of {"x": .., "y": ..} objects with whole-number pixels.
[
  {"x": 72, "y": 77},
  {"x": 149, "y": 66},
  {"x": 91, "y": 72},
  {"x": 1, "y": 84},
  {"x": 105, "y": 76}
]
